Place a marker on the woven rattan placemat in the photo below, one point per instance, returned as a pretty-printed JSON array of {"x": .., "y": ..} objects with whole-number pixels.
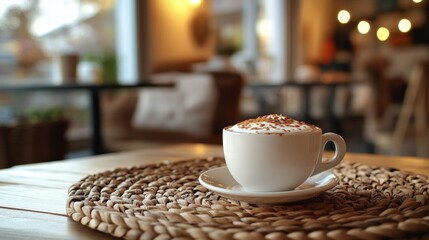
[{"x": 165, "y": 201}]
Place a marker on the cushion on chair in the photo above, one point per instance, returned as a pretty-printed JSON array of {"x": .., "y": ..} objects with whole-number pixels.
[{"x": 188, "y": 108}]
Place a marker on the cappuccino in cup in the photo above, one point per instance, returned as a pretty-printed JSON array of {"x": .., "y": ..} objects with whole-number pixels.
[{"x": 277, "y": 153}]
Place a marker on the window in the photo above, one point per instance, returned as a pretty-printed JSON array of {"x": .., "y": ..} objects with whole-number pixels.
[{"x": 32, "y": 32}]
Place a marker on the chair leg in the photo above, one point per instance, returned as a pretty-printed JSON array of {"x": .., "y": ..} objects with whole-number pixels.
[
  {"x": 407, "y": 109},
  {"x": 421, "y": 123}
]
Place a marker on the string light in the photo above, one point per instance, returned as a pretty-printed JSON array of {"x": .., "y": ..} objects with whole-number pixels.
[
  {"x": 404, "y": 25},
  {"x": 363, "y": 27},
  {"x": 383, "y": 34},
  {"x": 343, "y": 16},
  {"x": 195, "y": 3}
]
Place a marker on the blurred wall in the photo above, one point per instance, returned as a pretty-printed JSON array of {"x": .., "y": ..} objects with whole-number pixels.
[
  {"x": 174, "y": 27},
  {"x": 316, "y": 24}
]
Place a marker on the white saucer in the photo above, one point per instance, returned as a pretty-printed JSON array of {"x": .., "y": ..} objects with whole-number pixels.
[{"x": 219, "y": 180}]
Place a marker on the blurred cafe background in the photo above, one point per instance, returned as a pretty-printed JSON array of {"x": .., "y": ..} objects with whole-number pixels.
[{"x": 358, "y": 68}]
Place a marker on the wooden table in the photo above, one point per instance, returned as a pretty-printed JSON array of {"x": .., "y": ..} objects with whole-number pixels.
[
  {"x": 33, "y": 197},
  {"x": 93, "y": 90}
]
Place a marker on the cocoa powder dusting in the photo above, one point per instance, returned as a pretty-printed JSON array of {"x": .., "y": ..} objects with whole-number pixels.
[{"x": 274, "y": 120}]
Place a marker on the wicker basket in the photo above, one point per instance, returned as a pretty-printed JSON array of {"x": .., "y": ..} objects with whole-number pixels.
[{"x": 33, "y": 142}]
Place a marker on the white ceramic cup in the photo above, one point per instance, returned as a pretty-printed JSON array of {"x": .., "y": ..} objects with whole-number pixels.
[{"x": 278, "y": 162}]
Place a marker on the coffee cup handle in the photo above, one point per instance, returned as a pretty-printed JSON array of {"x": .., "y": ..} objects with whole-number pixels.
[{"x": 340, "y": 151}]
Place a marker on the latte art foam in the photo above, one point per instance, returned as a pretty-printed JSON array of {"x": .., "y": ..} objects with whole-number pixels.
[{"x": 272, "y": 124}]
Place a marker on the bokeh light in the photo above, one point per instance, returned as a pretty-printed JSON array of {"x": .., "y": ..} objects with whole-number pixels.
[
  {"x": 195, "y": 3},
  {"x": 404, "y": 25},
  {"x": 383, "y": 34},
  {"x": 363, "y": 27},
  {"x": 343, "y": 16}
]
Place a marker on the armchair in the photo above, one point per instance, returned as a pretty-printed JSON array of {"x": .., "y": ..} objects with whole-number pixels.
[{"x": 196, "y": 109}]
